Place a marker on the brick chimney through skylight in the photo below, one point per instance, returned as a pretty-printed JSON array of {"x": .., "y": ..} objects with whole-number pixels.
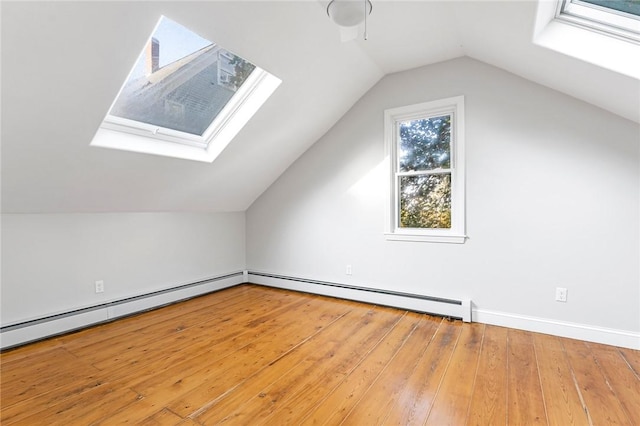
[{"x": 152, "y": 63}]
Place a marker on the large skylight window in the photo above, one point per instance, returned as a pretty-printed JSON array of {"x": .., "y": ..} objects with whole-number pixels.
[
  {"x": 185, "y": 97},
  {"x": 619, "y": 18}
]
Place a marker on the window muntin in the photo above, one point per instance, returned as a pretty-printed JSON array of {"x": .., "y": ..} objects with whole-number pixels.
[
  {"x": 186, "y": 97},
  {"x": 425, "y": 145},
  {"x": 620, "y": 18}
]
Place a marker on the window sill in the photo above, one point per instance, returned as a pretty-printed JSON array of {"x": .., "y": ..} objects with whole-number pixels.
[{"x": 450, "y": 239}]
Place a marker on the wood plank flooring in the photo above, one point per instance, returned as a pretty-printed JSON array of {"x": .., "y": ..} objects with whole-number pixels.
[{"x": 257, "y": 355}]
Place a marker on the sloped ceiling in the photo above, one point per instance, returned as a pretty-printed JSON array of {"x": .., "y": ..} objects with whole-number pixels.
[{"x": 63, "y": 63}]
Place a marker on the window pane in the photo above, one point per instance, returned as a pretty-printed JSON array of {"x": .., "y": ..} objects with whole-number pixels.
[
  {"x": 425, "y": 144},
  {"x": 181, "y": 81},
  {"x": 628, "y": 6},
  {"x": 425, "y": 201}
]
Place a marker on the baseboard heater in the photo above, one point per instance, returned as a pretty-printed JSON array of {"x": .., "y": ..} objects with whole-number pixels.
[
  {"x": 460, "y": 309},
  {"x": 36, "y": 329}
]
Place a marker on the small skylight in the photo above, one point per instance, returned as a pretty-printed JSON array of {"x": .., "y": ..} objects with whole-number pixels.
[
  {"x": 185, "y": 97},
  {"x": 593, "y": 31},
  {"x": 619, "y": 18}
]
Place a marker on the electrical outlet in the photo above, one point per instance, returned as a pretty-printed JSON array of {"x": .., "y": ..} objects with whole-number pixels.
[
  {"x": 100, "y": 286},
  {"x": 561, "y": 294},
  {"x": 348, "y": 271}
]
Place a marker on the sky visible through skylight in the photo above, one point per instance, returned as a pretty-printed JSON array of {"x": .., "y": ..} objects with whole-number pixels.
[{"x": 176, "y": 42}]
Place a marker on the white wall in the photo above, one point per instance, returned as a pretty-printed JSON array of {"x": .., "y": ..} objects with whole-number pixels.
[
  {"x": 50, "y": 262},
  {"x": 552, "y": 200}
]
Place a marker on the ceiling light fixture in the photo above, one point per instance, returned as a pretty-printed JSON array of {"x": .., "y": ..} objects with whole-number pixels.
[{"x": 350, "y": 13}]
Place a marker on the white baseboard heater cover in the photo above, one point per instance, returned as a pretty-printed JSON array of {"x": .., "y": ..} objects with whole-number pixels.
[
  {"x": 36, "y": 329},
  {"x": 460, "y": 309},
  {"x": 20, "y": 333}
]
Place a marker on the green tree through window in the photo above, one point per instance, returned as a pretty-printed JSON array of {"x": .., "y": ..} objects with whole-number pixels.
[
  {"x": 242, "y": 70},
  {"x": 424, "y": 173}
]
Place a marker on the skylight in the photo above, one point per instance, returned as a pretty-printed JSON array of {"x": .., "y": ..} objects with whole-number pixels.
[
  {"x": 587, "y": 30},
  {"x": 185, "y": 97},
  {"x": 619, "y": 18}
]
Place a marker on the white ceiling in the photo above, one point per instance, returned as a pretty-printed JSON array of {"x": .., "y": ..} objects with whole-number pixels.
[{"x": 63, "y": 63}]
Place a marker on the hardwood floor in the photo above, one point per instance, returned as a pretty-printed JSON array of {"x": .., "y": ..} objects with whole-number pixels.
[{"x": 256, "y": 355}]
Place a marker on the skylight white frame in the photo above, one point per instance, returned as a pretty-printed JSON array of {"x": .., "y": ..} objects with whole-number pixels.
[
  {"x": 131, "y": 135},
  {"x": 601, "y": 19},
  {"x": 228, "y": 111},
  {"x": 613, "y": 53},
  {"x": 392, "y": 117}
]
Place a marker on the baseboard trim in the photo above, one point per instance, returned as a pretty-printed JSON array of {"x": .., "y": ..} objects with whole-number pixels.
[
  {"x": 24, "y": 332},
  {"x": 452, "y": 308},
  {"x": 460, "y": 309},
  {"x": 590, "y": 333}
]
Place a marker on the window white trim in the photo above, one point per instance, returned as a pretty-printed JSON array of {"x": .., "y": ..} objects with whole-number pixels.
[{"x": 457, "y": 233}]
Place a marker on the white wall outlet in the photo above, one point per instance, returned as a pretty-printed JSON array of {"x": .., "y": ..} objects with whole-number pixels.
[
  {"x": 100, "y": 286},
  {"x": 561, "y": 294},
  {"x": 348, "y": 270}
]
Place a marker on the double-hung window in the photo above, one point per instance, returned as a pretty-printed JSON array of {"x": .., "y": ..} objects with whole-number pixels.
[{"x": 425, "y": 147}]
